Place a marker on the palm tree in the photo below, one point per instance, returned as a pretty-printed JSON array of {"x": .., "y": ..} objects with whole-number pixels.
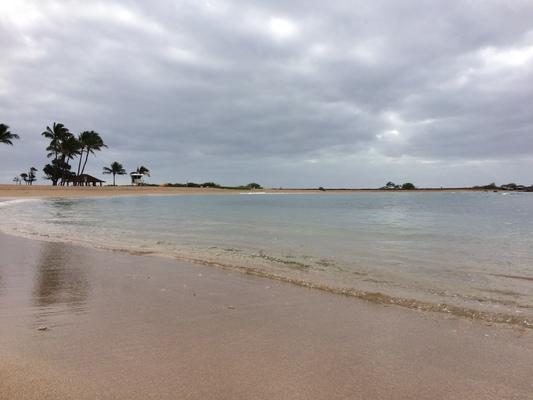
[
  {"x": 24, "y": 177},
  {"x": 63, "y": 146},
  {"x": 7, "y": 137},
  {"x": 70, "y": 148},
  {"x": 31, "y": 175},
  {"x": 56, "y": 134},
  {"x": 90, "y": 142},
  {"x": 143, "y": 170},
  {"x": 116, "y": 168}
]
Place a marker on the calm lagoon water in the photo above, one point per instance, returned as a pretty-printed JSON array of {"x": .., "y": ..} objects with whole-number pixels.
[{"x": 471, "y": 250}]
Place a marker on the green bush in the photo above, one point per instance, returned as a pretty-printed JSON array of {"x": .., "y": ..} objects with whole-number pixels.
[{"x": 408, "y": 186}]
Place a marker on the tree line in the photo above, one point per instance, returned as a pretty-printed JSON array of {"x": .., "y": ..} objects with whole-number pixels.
[{"x": 63, "y": 149}]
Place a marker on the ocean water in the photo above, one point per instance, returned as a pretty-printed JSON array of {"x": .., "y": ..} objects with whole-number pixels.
[{"x": 464, "y": 253}]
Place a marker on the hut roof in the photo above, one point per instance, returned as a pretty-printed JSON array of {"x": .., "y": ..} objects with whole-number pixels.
[{"x": 84, "y": 178}]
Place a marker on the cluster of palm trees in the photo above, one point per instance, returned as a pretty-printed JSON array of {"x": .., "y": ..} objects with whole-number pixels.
[
  {"x": 27, "y": 177},
  {"x": 64, "y": 147}
]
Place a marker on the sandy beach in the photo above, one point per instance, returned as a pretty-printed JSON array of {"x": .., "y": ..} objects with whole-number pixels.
[
  {"x": 266, "y": 200},
  {"x": 84, "y": 324},
  {"x": 48, "y": 191}
]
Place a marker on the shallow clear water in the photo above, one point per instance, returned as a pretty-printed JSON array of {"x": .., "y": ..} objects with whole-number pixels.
[{"x": 472, "y": 250}]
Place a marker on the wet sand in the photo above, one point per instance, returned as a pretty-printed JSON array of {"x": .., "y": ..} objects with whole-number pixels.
[
  {"x": 42, "y": 191},
  {"x": 120, "y": 326}
]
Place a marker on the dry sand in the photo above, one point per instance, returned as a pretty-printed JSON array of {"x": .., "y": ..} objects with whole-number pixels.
[
  {"x": 23, "y": 191},
  {"x": 120, "y": 326}
]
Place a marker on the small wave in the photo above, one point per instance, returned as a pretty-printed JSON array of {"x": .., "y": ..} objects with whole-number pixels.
[
  {"x": 7, "y": 203},
  {"x": 375, "y": 297}
]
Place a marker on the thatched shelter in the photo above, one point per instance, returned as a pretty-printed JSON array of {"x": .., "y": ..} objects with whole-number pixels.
[{"x": 84, "y": 180}]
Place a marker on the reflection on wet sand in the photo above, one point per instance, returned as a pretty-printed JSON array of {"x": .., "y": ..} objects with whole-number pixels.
[{"x": 59, "y": 281}]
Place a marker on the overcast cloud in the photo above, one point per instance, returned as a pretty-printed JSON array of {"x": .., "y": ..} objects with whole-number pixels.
[{"x": 285, "y": 93}]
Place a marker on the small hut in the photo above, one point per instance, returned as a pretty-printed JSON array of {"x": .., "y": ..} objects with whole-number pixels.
[
  {"x": 137, "y": 178},
  {"x": 84, "y": 180}
]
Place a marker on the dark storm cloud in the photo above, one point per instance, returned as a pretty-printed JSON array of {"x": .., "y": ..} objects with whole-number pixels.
[{"x": 285, "y": 92}]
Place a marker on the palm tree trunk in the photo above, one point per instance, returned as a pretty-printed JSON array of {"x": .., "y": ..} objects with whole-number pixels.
[
  {"x": 79, "y": 164},
  {"x": 114, "y": 180},
  {"x": 67, "y": 169},
  {"x": 64, "y": 174},
  {"x": 85, "y": 163}
]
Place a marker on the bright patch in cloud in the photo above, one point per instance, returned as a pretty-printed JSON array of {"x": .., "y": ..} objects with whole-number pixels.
[
  {"x": 389, "y": 134},
  {"x": 282, "y": 28},
  {"x": 21, "y": 14},
  {"x": 512, "y": 57}
]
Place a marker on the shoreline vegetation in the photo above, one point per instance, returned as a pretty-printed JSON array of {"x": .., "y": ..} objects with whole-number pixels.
[{"x": 63, "y": 149}]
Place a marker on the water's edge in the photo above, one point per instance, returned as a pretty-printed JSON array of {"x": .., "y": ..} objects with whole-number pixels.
[
  {"x": 371, "y": 296},
  {"x": 372, "y": 293}
]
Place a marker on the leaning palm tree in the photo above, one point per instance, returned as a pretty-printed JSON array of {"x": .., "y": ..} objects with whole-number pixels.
[
  {"x": 70, "y": 148},
  {"x": 7, "y": 137},
  {"x": 116, "y": 168},
  {"x": 90, "y": 142}
]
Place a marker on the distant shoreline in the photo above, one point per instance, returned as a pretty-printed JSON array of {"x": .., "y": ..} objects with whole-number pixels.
[{"x": 48, "y": 191}]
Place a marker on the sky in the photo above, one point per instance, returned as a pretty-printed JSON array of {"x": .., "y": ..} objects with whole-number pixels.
[{"x": 286, "y": 93}]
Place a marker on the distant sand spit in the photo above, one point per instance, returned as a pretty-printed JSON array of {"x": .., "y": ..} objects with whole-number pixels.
[{"x": 18, "y": 191}]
